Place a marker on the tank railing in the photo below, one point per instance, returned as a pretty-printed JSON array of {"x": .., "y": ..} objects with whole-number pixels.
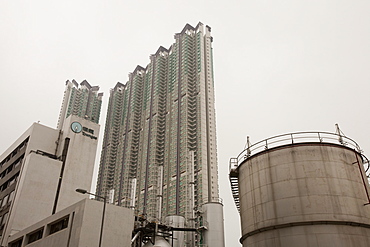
[
  {"x": 233, "y": 164},
  {"x": 366, "y": 165},
  {"x": 213, "y": 199},
  {"x": 292, "y": 138},
  {"x": 218, "y": 199}
]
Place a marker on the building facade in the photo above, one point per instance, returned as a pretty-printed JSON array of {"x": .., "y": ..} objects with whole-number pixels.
[
  {"x": 79, "y": 225},
  {"x": 159, "y": 152},
  {"x": 81, "y": 100},
  {"x": 41, "y": 170}
]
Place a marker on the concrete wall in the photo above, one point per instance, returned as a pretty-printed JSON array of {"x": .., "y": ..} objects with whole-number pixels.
[
  {"x": 306, "y": 195},
  {"x": 41, "y": 138},
  {"x": 34, "y": 196},
  {"x": 118, "y": 225},
  {"x": 84, "y": 227},
  {"x": 36, "y": 185},
  {"x": 79, "y": 165}
]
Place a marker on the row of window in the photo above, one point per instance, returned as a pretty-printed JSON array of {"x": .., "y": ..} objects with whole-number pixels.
[
  {"x": 7, "y": 199},
  {"x": 14, "y": 165},
  {"x": 3, "y": 219},
  {"x": 9, "y": 182},
  {"x": 39, "y": 233},
  {"x": 15, "y": 151}
]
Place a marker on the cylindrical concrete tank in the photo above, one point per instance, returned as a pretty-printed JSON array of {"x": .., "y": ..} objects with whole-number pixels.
[
  {"x": 159, "y": 242},
  {"x": 304, "y": 194},
  {"x": 214, "y": 223},
  {"x": 178, "y": 236}
]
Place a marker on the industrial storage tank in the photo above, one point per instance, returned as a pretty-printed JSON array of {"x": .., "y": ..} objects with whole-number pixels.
[
  {"x": 302, "y": 189},
  {"x": 213, "y": 225},
  {"x": 159, "y": 242},
  {"x": 178, "y": 236}
]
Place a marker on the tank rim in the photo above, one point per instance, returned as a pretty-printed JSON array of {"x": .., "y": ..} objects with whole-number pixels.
[{"x": 283, "y": 140}]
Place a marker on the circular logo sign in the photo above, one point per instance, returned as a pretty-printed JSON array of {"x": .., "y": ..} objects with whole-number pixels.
[{"x": 76, "y": 127}]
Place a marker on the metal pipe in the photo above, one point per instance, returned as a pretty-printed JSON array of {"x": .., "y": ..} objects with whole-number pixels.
[
  {"x": 160, "y": 194},
  {"x": 102, "y": 219},
  {"x": 64, "y": 158},
  {"x": 135, "y": 237}
]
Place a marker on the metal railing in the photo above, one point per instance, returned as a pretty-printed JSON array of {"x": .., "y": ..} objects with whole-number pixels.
[
  {"x": 213, "y": 199},
  {"x": 217, "y": 199},
  {"x": 293, "y": 138}
]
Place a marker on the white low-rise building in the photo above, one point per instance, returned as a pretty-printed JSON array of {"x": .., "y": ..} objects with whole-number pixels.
[{"x": 40, "y": 171}]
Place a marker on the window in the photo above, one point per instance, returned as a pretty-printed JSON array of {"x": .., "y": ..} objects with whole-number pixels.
[
  {"x": 59, "y": 225},
  {"x": 16, "y": 243},
  {"x": 12, "y": 180},
  {"x": 35, "y": 235},
  {"x": 5, "y": 200},
  {"x": 11, "y": 196},
  {"x": 5, "y": 217}
]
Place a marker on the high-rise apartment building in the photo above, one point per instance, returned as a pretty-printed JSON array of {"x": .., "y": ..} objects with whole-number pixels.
[
  {"x": 81, "y": 100},
  {"x": 159, "y": 152}
]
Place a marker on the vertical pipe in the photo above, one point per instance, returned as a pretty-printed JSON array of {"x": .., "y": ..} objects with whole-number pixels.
[
  {"x": 190, "y": 235},
  {"x": 179, "y": 85},
  {"x": 133, "y": 192},
  {"x": 102, "y": 220},
  {"x": 146, "y": 182},
  {"x": 64, "y": 158},
  {"x": 160, "y": 194},
  {"x": 206, "y": 87},
  {"x": 128, "y": 110}
]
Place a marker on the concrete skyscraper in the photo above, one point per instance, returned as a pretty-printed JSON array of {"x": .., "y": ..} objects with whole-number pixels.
[
  {"x": 159, "y": 152},
  {"x": 81, "y": 100}
]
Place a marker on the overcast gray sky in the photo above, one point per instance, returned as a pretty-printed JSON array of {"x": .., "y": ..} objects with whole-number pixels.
[{"x": 280, "y": 66}]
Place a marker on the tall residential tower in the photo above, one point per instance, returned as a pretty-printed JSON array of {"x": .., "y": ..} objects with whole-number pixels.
[
  {"x": 159, "y": 152},
  {"x": 81, "y": 100}
]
